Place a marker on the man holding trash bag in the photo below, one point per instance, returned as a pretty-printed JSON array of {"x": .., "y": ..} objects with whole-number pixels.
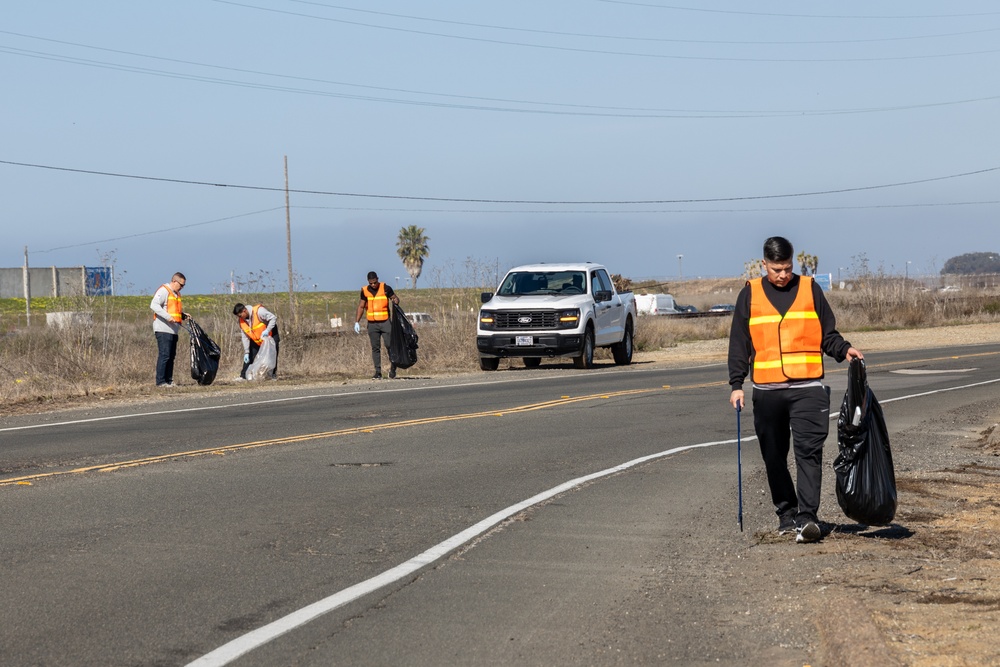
[
  {"x": 781, "y": 327},
  {"x": 257, "y": 323},
  {"x": 374, "y": 305},
  {"x": 167, "y": 318}
]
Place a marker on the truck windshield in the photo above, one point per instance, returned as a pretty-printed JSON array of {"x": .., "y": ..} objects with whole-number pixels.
[{"x": 521, "y": 283}]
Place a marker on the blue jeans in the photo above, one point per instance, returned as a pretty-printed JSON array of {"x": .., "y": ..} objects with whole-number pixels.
[{"x": 166, "y": 345}]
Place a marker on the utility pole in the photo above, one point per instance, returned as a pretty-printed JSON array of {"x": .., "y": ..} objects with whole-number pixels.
[
  {"x": 680, "y": 267},
  {"x": 288, "y": 242},
  {"x": 27, "y": 288}
]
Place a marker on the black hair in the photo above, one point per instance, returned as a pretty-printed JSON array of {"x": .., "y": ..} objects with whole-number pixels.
[
  {"x": 372, "y": 274},
  {"x": 238, "y": 309},
  {"x": 778, "y": 249}
]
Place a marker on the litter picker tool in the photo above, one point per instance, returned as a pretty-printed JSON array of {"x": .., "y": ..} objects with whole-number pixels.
[{"x": 739, "y": 469}]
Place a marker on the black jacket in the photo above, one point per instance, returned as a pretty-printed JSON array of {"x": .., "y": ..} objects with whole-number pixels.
[{"x": 740, "y": 344}]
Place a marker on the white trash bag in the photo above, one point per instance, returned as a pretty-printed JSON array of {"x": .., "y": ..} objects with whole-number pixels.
[{"x": 265, "y": 361}]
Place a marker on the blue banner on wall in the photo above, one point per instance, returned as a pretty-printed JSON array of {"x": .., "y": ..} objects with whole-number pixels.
[
  {"x": 99, "y": 281},
  {"x": 824, "y": 280}
]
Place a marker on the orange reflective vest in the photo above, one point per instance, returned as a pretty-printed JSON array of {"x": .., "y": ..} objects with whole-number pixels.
[
  {"x": 786, "y": 347},
  {"x": 254, "y": 328},
  {"x": 378, "y": 305},
  {"x": 173, "y": 305}
]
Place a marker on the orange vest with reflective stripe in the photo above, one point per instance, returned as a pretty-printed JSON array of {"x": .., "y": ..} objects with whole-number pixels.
[
  {"x": 173, "y": 305},
  {"x": 786, "y": 347},
  {"x": 254, "y": 328},
  {"x": 378, "y": 305}
]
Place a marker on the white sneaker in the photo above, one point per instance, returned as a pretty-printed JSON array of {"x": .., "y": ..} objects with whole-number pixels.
[{"x": 809, "y": 532}]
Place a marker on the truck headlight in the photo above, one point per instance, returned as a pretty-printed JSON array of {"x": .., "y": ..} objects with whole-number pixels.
[
  {"x": 486, "y": 319},
  {"x": 569, "y": 319}
]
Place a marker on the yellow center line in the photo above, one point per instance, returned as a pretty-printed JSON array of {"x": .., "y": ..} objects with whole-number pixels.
[{"x": 110, "y": 467}]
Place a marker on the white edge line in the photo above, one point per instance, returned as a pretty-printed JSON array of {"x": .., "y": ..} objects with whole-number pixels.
[{"x": 256, "y": 638}]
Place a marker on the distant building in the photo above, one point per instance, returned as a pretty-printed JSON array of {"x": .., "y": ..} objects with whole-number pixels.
[{"x": 55, "y": 281}]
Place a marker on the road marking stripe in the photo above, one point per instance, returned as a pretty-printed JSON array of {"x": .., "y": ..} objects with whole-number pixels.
[
  {"x": 242, "y": 645},
  {"x": 117, "y": 465}
]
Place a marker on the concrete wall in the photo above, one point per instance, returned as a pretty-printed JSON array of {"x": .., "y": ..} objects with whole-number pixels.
[{"x": 43, "y": 281}]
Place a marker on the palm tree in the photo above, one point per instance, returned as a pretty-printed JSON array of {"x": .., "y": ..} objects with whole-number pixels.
[{"x": 412, "y": 249}]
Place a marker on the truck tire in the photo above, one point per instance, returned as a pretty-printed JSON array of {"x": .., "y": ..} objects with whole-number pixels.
[
  {"x": 622, "y": 352},
  {"x": 489, "y": 363},
  {"x": 532, "y": 362},
  {"x": 586, "y": 358}
]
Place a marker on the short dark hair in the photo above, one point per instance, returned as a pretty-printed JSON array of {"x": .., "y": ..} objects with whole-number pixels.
[
  {"x": 778, "y": 249},
  {"x": 178, "y": 275},
  {"x": 238, "y": 309},
  {"x": 372, "y": 274}
]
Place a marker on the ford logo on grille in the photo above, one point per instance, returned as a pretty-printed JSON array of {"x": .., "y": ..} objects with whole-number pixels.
[{"x": 524, "y": 320}]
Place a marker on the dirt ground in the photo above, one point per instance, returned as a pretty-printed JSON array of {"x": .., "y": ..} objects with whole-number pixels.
[{"x": 922, "y": 592}]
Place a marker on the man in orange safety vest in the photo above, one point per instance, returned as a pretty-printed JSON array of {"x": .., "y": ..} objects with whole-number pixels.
[
  {"x": 167, "y": 318},
  {"x": 782, "y": 326},
  {"x": 256, "y": 322},
  {"x": 374, "y": 305}
]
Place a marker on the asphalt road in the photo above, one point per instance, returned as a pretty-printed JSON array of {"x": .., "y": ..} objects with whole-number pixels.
[{"x": 498, "y": 518}]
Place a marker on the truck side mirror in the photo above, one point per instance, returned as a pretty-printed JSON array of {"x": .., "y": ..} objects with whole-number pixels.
[
  {"x": 485, "y": 296},
  {"x": 602, "y": 295}
]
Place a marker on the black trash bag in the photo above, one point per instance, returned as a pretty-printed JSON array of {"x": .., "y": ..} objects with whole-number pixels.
[
  {"x": 205, "y": 354},
  {"x": 866, "y": 482},
  {"x": 403, "y": 344}
]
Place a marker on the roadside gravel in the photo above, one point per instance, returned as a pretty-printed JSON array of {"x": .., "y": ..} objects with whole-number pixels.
[{"x": 922, "y": 592}]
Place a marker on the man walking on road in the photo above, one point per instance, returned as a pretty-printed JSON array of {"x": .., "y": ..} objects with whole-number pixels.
[
  {"x": 781, "y": 327},
  {"x": 374, "y": 305},
  {"x": 256, "y": 323},
  {"x": 167, "y": 318}
]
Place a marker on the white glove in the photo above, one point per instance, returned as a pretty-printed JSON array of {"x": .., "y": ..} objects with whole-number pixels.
[
  {"x": 357, "y": 327},
  {"x": 246, "y": 358}
]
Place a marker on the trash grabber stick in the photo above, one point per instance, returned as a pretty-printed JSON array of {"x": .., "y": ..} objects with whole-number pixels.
[{"x": 739, "y": 469}]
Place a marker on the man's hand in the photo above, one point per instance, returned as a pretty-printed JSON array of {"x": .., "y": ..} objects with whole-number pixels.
[
  {"x": 246, "y": 358},
  {"x": 854, "y": 354},
  {"x": 736, "y": 399},
  {"x": 185, "y": 316},
  {"x": 357, "y": 327}
]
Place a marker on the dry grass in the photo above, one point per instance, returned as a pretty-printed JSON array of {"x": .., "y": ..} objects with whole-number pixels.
[{"x": 117, "y": 355}]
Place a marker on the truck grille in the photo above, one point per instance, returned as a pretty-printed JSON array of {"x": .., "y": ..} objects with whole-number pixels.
[{"x": 526, "y": 320}]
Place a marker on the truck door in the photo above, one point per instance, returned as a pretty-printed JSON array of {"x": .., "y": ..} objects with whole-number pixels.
[{"x": 608, "y": 314}]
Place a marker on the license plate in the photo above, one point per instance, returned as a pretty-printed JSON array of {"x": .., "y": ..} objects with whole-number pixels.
[{"x": 525, "y": 340}]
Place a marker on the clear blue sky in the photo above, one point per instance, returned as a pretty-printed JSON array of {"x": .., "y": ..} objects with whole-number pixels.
[{"x": 584, "y": 110}]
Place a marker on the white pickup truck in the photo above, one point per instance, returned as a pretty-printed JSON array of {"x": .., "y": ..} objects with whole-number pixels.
[{"x": 555, "y": 310}]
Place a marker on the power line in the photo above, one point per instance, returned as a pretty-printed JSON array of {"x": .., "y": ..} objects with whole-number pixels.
[
  {"x": 164, "y": 230},
  {"x": 801, "y": 16},
  {"x": 632, "y": 38},
  {"x": 159, "y": 231},
  {"x": 508, "y": 201},
  {"x": 556, "y": 108},
  {"x": 604, "y": 51}
]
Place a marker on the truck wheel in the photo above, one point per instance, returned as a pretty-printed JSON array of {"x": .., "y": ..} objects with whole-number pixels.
[
  {"x": 532, "y": 362},
  {"x": 489, "y": 363},
  {"x": 622, "y": 351},
  {"x": 586, "y": 358}
]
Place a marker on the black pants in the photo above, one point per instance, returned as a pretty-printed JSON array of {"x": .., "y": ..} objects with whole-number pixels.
[
  {"x": 378, "y": 331},
  {"x": 802, "y": 415},
  {"x": 255, "y": 348}
]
